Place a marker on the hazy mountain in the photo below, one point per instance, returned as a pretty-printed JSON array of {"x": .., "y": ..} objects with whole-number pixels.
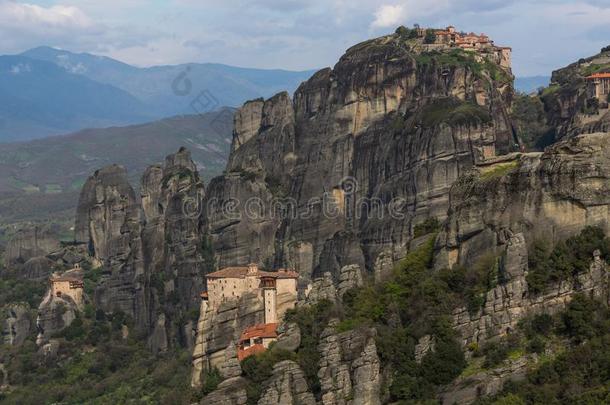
[
  {"x": 179, "y": 89},
  {"x": 530, "y": 84},
  {"x": 44, "y": 176},
  {"x": 38, "y": 98}
]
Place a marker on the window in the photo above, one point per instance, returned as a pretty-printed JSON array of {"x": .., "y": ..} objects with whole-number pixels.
[{"x": 258, "y": 341}]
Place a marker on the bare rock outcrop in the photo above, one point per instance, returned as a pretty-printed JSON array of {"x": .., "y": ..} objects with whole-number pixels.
[
  {"x": 17, "y": 325},
  {"x": 322, "y": 288},
  {"x": 37, "y": 268},
  {"x": 230, "y": 368},
  {"x": 349, "y": 367},
  {"x": 287, "y": 386},
  {"x": 510, "y": 302},
  {"x": 229, "y": 392},
  {"x": 326, "y": 288},
  {"x": 289, "y": 337},
  {"x": 30, "y": 242},
  {"x": 466, "y": 390},
  {"x": 364, "y": 151},
  {"x": 217, "y": 330},
  {"x": 54, "y": 314},
  {"x": 108, "y": 222},
  {"x": 551, "y": 195},
  {"x": 349, "y": 277}
]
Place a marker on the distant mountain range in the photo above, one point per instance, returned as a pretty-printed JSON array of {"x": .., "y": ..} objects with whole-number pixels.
[
  {"x": 530, "y": 84},
  {"x": 46, "y": 91},
  {"x": 42, "y": 178}
]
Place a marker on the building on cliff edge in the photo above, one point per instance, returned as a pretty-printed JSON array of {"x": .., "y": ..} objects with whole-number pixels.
[
  {"x": 69, "y": 284},
  {"x": 471, "y": 42},
  {"x": 598, "y": 86},
  {"x": 277, "y": 290}
]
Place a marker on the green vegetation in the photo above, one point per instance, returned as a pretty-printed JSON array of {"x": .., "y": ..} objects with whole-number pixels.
[
  {"x": 430, "y": 225},
  {"x": 461, "y": 58},
  {"x": 13, "y": 289},
  {"x": 259, "y": 368},
  {"x": 595, "y": 68},
  {"x": 275, "y": 186},
  {"x": 454, "y": 113},
  {"x": 416, "y": 302},
  {"x": 211, "y": 379},
  {"x": 405, "y": 33},
  {"x": 576, "y": 375},
  {"x": 182, "y": 174},
  {"x": 246, "y": 175},
  {"x": 430, "y": 36},
  {"x": 96, "y": 365},
  {"x": 548, "y": 264},
  {"x": 530, "y": 122},
  {"x": 499, "y": 170}
]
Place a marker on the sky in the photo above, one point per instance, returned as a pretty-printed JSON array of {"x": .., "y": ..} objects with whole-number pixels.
[{"x": 296, "y": 34}]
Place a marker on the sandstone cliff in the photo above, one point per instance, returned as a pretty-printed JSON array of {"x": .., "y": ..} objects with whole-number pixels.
[
  {"x": 569, "y": 108},
  {"x": 554, "y": 194},
  {"x": 108, "y": 222},
  {"x": 381, "y": 138},
  {"x": 150, "y": 248}
]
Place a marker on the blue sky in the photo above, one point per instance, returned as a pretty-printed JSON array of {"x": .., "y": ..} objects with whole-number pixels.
[{"x": 296, "y": 34}]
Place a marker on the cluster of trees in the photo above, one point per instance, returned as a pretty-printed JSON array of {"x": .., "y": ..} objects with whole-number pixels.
[
  {"x": 549, "y": 264},
  {"x": 577, "y": 374}
]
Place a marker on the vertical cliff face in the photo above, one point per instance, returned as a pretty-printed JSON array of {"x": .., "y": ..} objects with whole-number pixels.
[
  {"x": 30, "y": 243},
  {"x": 108, "y": 221},
  {"x": 554, "y": 194},
  {"x": 387, "y": 131},
  {"x": 570, "y": 109},
  {"x": 150, "y": 249},
  {"x": 172, "y": 237}
]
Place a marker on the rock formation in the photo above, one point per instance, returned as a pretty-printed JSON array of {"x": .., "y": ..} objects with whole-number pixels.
[
  {"x": 229, "y": 392},
  {"x": 108, "y": 222},
  {"x": 17, "y": 324},
  {"x": 218, "y": 330},
  {"x": 349, "y": 370},
  {"x": 364, "y": 151},
  {"x": 54, "y": 314},
  {"x": 150, "y": 249},
  {"x": 29, "y": 243},
  {"x": 554, "y": 195},
  {"x": 508, "y": 303},
  {"x": 172, "y": 238},
  {"x": 287, "y": 386}
]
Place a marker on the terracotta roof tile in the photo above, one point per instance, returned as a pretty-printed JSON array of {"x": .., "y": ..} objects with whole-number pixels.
[
  {"x": 264, "y": 330},
  {"x": 254, "y": 349},
  {"x": 599, "y": 76}
]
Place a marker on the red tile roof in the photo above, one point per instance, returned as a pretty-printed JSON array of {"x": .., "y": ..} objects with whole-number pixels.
[
  {"x": 263, "y": 330},
  {"x": 254, "y": 349},
  {"x": 240, "y": 272},
  {"x": 599, "y": 76}
]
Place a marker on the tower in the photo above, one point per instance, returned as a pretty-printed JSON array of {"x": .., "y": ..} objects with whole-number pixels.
[{"x": 270, "y": 297}]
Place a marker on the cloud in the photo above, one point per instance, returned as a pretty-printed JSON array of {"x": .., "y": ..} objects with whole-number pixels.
[
  {"x": 388, "y": 16},
  {"x": 295, "y": 34},
  {"x": 31, "y": 16}
]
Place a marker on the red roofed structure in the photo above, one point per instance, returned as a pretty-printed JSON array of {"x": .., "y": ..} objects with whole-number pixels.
[
  {"x": 598, "y": 86},
  {"x": 234, "y": 282},
  {"x": 256, "y": 339}
]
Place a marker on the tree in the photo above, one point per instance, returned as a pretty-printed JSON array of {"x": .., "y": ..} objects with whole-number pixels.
[{"x": 430, "y": 37}]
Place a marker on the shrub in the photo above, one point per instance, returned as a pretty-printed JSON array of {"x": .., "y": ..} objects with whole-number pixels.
[
  {"x": 211, "y": 379},
  {"x": 430, "y": 37},
  {"x": 536, "y": 345},
  {"x": 430, "y": 225},
  {"x": 567, "y": 259}
]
